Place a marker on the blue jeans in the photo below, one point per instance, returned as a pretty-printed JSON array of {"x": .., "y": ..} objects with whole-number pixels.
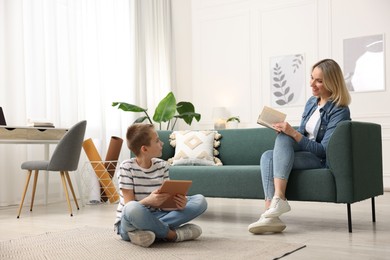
[
  {"x": 279, "y": 162},
  {"x": 136, "y": 216}
]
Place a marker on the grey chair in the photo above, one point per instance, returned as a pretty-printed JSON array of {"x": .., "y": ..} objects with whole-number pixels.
[{"x": 65, "y": 158}]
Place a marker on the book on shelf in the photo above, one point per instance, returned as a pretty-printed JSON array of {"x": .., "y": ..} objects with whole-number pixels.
[
  {"x": 31, "y": 123},
  {"x": 270, "y": 116}
]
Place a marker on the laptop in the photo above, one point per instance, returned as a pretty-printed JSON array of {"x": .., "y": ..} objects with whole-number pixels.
[{"x": 2, "y": 118}]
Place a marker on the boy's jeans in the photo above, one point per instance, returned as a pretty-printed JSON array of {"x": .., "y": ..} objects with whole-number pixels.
[
  {"x": 279, "y": 162},
  {"x": 136, "y": 216}
]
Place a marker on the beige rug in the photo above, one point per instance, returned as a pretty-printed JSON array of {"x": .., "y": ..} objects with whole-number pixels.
[{"x": 103, "y": 243}]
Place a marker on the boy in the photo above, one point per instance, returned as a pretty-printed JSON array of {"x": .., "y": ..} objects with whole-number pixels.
[{"x": 139, "y": 218}]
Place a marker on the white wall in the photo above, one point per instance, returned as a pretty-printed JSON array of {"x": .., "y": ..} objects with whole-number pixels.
[
  {"x": 223, "y": 50},
  {"x": 182, "y": 35}
]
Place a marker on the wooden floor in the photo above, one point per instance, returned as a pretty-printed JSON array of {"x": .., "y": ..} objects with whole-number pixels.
[{"x": 322, "y": 227}]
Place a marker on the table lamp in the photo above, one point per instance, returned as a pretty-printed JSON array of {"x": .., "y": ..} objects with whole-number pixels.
[{"x": 219, "y": 117}]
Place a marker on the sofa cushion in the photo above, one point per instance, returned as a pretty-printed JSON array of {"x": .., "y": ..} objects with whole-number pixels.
[
  {"x": 245, "y": 146},
  {"x": 195, "y": 147},
  {"x": 228, "y": 181},
  {"x": 244, "y": 181},
  {"x": 238, "y": 146}
]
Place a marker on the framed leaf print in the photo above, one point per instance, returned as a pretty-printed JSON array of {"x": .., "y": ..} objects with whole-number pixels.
[{"x": 287, "y": 80}]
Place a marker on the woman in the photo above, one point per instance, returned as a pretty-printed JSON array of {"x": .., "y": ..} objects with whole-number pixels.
[{"x": 304, "y": 148}]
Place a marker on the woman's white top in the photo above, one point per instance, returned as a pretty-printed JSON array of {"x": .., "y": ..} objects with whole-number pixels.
[{"x": 313, "y": 123}]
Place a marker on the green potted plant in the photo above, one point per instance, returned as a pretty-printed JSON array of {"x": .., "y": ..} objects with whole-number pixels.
[
  {"x": 232, "y": 122},
  {"x": 166, "y": 111}
]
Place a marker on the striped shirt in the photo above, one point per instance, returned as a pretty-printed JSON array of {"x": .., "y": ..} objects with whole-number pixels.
[{"x": 141, "y": 181}]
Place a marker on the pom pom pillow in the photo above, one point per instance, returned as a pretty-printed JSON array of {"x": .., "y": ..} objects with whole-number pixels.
[{"x": 195, "y": 147}]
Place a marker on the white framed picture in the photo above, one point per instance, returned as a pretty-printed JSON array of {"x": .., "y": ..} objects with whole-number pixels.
[
  {"x": 287, "y": 80},
  {"x": 364, "y": 63}
]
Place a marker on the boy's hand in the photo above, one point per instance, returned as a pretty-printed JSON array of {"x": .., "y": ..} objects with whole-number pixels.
[
  {"x": 155, "y": 199},
  {"x": 181, "y": 201}
]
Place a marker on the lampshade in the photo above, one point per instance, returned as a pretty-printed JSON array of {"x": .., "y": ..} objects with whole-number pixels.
[{"x": 220, "y": 113}]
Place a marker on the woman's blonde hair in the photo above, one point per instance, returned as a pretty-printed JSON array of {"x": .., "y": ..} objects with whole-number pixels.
[{"x": 334, "y": 81}]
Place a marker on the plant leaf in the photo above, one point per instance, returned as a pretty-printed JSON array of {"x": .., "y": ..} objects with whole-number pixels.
[
  {"x": 186, "y": 111},
  {"x": 278, "y": 94},
  {"x": 290, "y": 97},
  {"x": 128, "y": 107},
  {"x": 184, "y": 106},
  {"x": 140, "y": 119},
  {"x": 189, "y": 116},
  {"x": 166, "y": 109},
  {"x": 280, "y": 102},
  {"x": 233, "y": 118}
]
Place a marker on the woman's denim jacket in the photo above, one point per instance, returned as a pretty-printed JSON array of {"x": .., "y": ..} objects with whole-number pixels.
[{"x": 330, "y": 115}]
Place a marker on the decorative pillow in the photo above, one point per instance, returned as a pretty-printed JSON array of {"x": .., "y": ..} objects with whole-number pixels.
[{"x": 195, "y": 147}]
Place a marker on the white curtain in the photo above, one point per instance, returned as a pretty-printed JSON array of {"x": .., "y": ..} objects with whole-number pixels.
[
  {"x": 154, "y": 73},
  {"x": 68, "y": 60}
]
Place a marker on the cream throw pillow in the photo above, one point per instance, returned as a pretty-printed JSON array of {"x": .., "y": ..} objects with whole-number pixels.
[{"x": 195, "y": 148}]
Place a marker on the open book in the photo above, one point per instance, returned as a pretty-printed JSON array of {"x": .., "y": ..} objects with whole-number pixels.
[{"x": 269, "y": 116}]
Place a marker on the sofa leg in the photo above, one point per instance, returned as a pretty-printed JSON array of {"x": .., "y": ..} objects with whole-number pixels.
[
  {"x": 349, "y": 214},
  {"x": 349, "y": 217},
  {"x": 373, "y": 209}
]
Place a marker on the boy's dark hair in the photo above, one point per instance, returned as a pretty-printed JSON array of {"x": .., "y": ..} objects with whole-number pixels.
[{"x": 138, "y": 135}]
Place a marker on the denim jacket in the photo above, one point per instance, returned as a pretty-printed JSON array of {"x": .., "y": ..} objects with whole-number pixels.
[{"x": 330, "y": 116}]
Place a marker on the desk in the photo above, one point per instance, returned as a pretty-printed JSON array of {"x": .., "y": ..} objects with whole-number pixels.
[{"x": 33, "y": 135}]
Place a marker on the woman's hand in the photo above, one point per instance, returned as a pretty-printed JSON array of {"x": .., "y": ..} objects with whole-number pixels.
[{"x": 286, "y": 128}]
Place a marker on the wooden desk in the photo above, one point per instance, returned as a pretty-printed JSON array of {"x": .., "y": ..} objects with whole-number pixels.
[
  {"x": 33, "y": 135},
  {"x": 30, "y": 135}
]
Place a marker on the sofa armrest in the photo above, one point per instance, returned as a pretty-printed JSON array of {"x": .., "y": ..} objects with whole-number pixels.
[{"x": 354, "y": 155}]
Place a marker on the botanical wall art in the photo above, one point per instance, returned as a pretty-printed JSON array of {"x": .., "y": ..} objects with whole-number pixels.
[
  {"x": 364, "y": 63},
  {"x": 287, "y": 80}
]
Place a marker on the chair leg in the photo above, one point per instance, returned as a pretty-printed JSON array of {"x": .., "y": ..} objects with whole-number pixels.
[
  {"x": 373, "y": 209},
  {"x": 349, "y": 217},
  {"x": 71, "y": 189},
  {"x": 66, "y": 192},
  {"x": 34, "y": 188},
  {"x": 24, "y": 192}
]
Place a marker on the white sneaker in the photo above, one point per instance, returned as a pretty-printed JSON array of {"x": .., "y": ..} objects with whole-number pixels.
[
  {"x": 142, "y": 238},
  {"x": 188, "y": 232},
  {"x": 277, "y": 208},
  {"x": 264, "y": 225}
]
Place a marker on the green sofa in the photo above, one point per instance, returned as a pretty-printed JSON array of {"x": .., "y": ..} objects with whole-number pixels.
[{"x": 354, "y": 157}]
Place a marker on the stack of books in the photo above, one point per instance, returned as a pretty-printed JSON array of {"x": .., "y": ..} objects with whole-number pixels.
[{"x": 32, "y": 123}]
